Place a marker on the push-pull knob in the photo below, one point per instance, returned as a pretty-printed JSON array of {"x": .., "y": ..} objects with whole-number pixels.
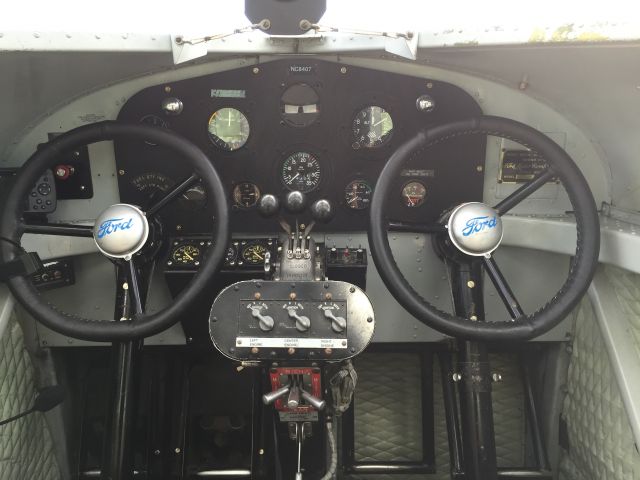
[
  {"x": 302, "y": 323},
  {"x": 269, "y": 398},
  {"x": 338, "y": 324},
  {"x": 315, "y": 402},
  {"x": 265, "y": 322}
]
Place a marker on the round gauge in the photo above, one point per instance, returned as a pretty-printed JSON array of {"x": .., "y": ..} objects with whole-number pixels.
[
  {"x": 300, "y": 105},
  {"x": 246, "y": 195},
  {"x": 357, "y": 195},
  {"x": 372, "y": 127},
  {"x": 301, "y": 171},
  {"x": 228, "y": 129},
  {"x": 253, "y": 254},
  {"x": 186, "y": 255},
  {"x": 194, "y": 197},
  {"x": 153, "y": 121},
  {"x": 231, "y": 255},
  {"x": 413, "y": 194}
]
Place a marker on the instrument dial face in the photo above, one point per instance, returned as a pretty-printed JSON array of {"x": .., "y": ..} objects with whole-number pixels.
[
  {"x": 253, "y": 254},
  {"x": 413, "y": 194},
  {"x": 153, "y": 121},
  {"x": 372, "y": 127},
  {"x": 357, "y": 195},
  {"x": 228, "y": 129},
  {"x": 186, "y": 255},
  {"x": 301, "y": 171},
  {"x": 246, "y": 195}
]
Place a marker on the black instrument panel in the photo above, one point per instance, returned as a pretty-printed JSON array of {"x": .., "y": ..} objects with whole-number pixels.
[{"x": 302, "y": 124}]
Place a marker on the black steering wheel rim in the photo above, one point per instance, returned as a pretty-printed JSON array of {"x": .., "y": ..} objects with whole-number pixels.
[
  {"x": 141, "y": 325},
  {"x": 583, "y": 264}
]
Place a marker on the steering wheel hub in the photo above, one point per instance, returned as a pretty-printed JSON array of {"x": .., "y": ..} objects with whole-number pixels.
[
  {"x": 121, "y": 230},
  {"x": 475, "y": 229}
]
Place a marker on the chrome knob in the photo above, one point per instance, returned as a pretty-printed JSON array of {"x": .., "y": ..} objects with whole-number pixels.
[
  {"x": 315, "y": 402},
  {"x": 269, "y": 398}
]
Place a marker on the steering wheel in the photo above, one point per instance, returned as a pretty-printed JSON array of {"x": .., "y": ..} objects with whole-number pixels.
[
  {"x": 120, "y": 232},
  {"x": 474, "y": 230}
]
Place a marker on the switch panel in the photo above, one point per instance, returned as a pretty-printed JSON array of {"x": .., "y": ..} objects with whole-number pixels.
[{"x": 265, "y": 320}]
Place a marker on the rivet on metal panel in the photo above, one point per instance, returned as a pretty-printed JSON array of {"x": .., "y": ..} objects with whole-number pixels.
[{"x": 255, "y": 70}]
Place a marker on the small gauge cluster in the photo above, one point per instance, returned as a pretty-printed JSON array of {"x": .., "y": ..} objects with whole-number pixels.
[{"x": 187, "y": 253}]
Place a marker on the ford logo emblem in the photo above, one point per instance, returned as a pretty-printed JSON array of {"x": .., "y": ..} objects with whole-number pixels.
[
  {"x": 112, "y": 225},
  {"x": 478, "y": 224}
]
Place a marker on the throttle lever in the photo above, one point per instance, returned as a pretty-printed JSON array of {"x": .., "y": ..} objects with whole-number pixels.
[
  {"x": 314, "y": 401},
  {"x": 269, "y": 398}
]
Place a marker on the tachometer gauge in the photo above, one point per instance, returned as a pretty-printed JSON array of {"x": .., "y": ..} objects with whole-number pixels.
[
  {"x": 246, "y": 195},
  {"x": 357, "y": 195},
  {"x": 253, "y": 254},
  {"x": 413, "y": 194},
  {"x": 372, "y": 127},
  {"x": 301, "y": 171},
  {"x": 228, "y": 129},
  {"x": 186, "y": 255}
]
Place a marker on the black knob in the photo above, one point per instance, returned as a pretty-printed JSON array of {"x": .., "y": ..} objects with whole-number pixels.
[
  {"x": 295, "y": 202},
  {"x": 322, "y": 211},
  {"x": 269, "y": 205}
]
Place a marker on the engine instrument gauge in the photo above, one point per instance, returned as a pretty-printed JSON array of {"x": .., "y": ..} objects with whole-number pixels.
[
  {"x": 301, "y": 171},
  {"x": 228, "y": 129},
  {"x": 186, "y": 255},
  {"x": 357, "y": 195},
  {"x": 153, "y": 121},
  {"x": 413, "y": 194},
  {"x": 246, "y": 195},
  {"x": 253, "y": 254},
  {"x": 372, "y": 127}
]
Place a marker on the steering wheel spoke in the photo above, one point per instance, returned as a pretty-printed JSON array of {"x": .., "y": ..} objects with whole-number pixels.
[
  {"x": 524, "y": 191},
  {"x": 172, "y": 194},
  {"x": 134, "y": 288},
  {"x": 62, "y": 229},
  {"x": 397, "y": 226},
  {"x": 504, "y": 290}
]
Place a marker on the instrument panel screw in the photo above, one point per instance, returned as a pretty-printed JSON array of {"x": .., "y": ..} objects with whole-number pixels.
[
  {"x": 120, "y": 172},
  {"x": 429, "y": 85},
  {"x": 353, "y": 349},
  {"x": 456, "y": 377},
  {"x": 177, "y": 450},
  {"x": 479, "y": 168},
  {"x": 156, "y": 452},
  {"x": 328, "y": 351},
  {"x": 496, "y": 377},
  {"x": 178, "y": 227},
  {"x": 328, "y": 296},
  {"x": 167, "y": 89},
  {"x": 343, "y": 70},
  {"x": 257, "y": 296},
  {"x": 292, "y": 296},
  {"x": 261, "y": 451},
  {"x": 255, "y": 70},
  {"x": 291, "y": 351},
  {"x": 352, "y": 289},
  {"x": 369, "y": 319},
  {"x": 471, "y": 284},
  {"x": 473, "y": 318},
  {"x": 255, "y": 350}
]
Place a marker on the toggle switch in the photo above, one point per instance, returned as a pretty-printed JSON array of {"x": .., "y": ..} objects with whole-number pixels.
[
  {"x": 338, "y": 324},
  {"x": 265, "y": 322},
  {"x": 302, "y": 323}
]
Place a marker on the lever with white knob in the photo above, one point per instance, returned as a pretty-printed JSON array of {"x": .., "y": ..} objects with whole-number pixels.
[
  {"x": 302, "y": 323},
  {"x": 338, "y": 324},
  {"x": 265, "y": 322}
]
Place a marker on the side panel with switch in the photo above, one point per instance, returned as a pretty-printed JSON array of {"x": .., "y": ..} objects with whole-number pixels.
[
  {"x": 43, "y": 196},
  {"x": 72, "y": 173},
  {"x": 56, "y": 273}
]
